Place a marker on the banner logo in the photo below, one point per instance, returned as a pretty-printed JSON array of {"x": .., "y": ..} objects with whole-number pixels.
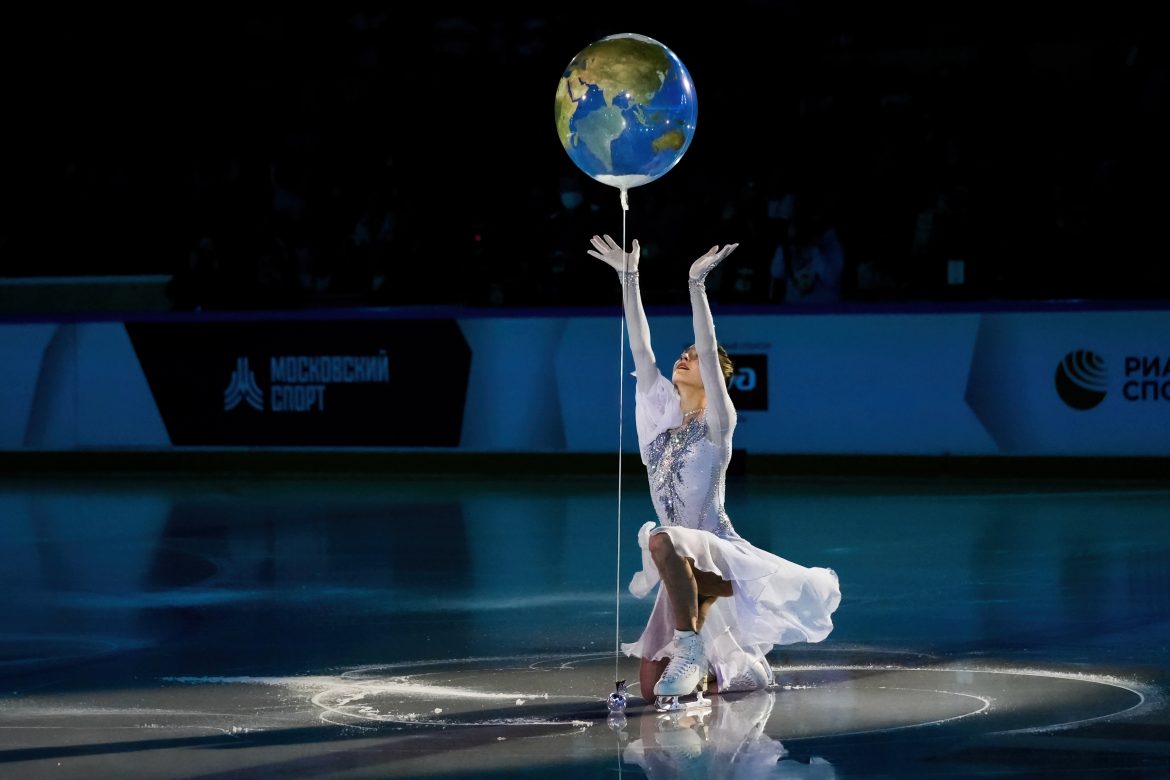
[
  {"x": 1081, "y": 379},
  {"x": 242, "y": 387}
]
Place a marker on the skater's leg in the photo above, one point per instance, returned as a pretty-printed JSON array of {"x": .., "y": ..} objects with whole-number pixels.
[
  {"x": 679, "y": 580},
  {"x": 691, "y": 591}
]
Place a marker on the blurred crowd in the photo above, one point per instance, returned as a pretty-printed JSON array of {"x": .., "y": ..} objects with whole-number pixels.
[{"x": 290, "y": 159}]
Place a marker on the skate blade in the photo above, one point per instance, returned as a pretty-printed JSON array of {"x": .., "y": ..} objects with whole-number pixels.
[{"x": 672, "y": 703}]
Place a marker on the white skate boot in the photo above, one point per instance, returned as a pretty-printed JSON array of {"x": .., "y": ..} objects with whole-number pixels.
[
  {"x": 758, "y": 676},
  {"x": 685, "y": 674}
]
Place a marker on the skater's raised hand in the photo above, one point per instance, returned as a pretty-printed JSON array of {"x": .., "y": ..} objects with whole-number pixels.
[
  {"x": 714, "y": 256},
  {"x": 607, "y": 250}
]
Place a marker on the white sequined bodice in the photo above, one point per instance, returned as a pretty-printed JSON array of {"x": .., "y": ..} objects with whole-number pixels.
[{"x": 687, "y": 472}]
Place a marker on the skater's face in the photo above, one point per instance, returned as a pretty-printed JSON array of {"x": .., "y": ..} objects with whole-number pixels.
[{"x": 686, "y": 368}]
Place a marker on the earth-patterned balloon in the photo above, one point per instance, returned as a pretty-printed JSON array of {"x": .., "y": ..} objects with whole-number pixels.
[{"x": 626, "y": 110}]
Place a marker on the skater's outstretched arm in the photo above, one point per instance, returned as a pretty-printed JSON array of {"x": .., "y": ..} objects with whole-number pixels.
[
  {"x": 720, "y": 411},
  {"x": 607, "y": 250}
]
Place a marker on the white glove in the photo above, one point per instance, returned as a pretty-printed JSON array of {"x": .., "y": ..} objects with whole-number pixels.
[
  {"x": 701, "y": 267},
  {"x": 606, "y": 249}
]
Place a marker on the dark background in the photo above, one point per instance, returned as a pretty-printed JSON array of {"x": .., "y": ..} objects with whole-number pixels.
[{"x": 360, "y": 155}]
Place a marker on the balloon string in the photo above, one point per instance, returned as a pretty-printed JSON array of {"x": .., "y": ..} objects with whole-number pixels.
[{"x": 617, "y": 596}]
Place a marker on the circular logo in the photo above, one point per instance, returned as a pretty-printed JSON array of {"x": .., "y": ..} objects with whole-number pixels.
[{"x": 1081, "y": 379}]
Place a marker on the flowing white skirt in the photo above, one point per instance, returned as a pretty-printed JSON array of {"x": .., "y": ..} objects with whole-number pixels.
[{"x": 773, "y": 601}]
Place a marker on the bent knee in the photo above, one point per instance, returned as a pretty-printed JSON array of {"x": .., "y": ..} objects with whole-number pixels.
[{"x": 660, "y": 546}]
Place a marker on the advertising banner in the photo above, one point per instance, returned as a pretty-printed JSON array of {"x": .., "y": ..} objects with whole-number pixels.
[
  {"x": 394, "y": 383},
  {"x": 1051, "y": 383}
]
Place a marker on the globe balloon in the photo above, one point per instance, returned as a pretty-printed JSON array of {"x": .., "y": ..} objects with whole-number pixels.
[{"x": 626, "y": 110}]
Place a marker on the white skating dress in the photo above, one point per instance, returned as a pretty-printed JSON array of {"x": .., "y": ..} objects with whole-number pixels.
[{"x": 774, "y": 601}]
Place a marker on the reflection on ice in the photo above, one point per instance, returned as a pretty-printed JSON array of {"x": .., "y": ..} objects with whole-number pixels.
[{"x": 727, "y": 740}]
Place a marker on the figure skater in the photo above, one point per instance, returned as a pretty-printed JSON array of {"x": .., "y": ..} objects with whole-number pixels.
[{"x": 724, "y": 603}]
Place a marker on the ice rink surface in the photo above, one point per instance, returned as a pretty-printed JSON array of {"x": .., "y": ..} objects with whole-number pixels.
[{"x": 300, "y": 626}]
